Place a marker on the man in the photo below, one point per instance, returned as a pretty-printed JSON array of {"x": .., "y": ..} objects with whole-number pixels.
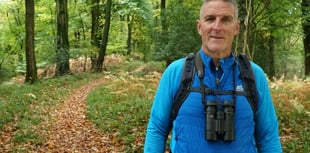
[{"x": 217, "y": 26}]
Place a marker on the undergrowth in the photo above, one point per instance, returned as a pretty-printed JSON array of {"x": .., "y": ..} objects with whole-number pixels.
[
  {"x": 122, "y": 105},
  {"x": 121, "y": 108},
  {"x": 292, "y": 102}
]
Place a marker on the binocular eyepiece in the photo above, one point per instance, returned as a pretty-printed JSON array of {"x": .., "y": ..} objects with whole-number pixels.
[{"x": 220, "y": 121}]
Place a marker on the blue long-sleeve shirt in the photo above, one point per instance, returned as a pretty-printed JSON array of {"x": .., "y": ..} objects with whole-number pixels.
[{"x": 188, "y": 134}]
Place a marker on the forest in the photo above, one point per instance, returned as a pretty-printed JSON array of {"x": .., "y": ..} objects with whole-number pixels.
[
  {"x": 104, "y": 58},
  {"x": 37, "y": 34}
]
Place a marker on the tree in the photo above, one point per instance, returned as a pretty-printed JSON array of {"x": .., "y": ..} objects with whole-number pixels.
[
  {"x": 62, "y": 42},
  {"x": 248, "y": 17},
  {"x": 16, "y": 27},
  {"x": 271, "y": 42},
  {"x": 94, "y": 30},
  {"x": 270, "y": 35},
  {"x": 138, "y": 17},
  {"x": 305, "y": 4},
  {"x": 181, "y": 36},
  {"x": 129, "y": 33},
  {"x": 31, "y": 69},
  {"x": 163, "y": 15},
  {"x": 160, "y": 30},
  {"x": 281, "y": 39},
  {"x": 105, "y": 36}
]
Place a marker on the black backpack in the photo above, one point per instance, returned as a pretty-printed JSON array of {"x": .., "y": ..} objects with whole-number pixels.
[{"x": 188, "y": 71}]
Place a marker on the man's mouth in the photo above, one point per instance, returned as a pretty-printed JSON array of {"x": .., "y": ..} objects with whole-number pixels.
[{"x": 217, "y": 37}]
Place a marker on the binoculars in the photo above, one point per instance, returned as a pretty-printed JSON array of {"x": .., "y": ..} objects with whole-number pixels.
[{"x": 220, "y": 121}]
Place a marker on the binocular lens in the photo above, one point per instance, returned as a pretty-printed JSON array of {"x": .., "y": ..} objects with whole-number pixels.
[
  {"x": 211, "y": 122},
  {"x": 219, "y": 122}
]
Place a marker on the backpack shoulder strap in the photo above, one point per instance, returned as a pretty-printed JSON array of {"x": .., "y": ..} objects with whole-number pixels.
[
  {"x": 248, "y": 79},
  {"x": 185, "y": 84},
  {"x": 188, "y": 71}
]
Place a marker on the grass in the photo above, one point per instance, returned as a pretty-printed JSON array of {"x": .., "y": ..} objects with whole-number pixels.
[{"x": 121, "y": 108}]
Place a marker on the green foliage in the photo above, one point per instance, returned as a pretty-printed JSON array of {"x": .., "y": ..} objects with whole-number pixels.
[
  {"x": 6, "y": 74},
  {"x": 11, "y": 37},
  {"x": 277, "y": 37},
  {"x": 138, "y": 14},
  {"x": 294, "y": 124},
  {"x": 181, "y": 36},
  {"x": 29, "y": 136},
  {"x": 45, "y": 31},
  {"x": 278, "y": 27},
  {"x": 80, "y": 22}
]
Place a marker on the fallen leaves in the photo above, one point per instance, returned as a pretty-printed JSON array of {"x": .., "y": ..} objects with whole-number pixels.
[
  {"x": 72, "y": 132},
  {"x": 68, "y": 129}
]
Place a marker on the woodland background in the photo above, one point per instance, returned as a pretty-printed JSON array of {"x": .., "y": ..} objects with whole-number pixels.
[
  {"x": 42, "y": 33},
  {"x": 50, "y": 48}
]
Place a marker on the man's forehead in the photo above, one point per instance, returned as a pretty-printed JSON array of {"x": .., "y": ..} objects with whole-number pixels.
[{"x": 218, "y": 8}]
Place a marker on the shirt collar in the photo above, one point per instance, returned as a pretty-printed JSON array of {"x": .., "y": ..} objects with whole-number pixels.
[{"x": 225, "y": 63}]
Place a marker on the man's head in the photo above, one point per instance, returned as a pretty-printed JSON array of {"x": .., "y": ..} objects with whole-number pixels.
[
  {"x": 229, "y": 1},
  {"x": 218, "y": 25}
]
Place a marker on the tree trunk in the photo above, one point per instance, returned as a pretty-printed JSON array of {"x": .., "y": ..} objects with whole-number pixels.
[
  {"x": 164, "y": 26},
  {"x": 163, "y": 17},
  {"x": 129, "y": 24},
  {"x": 62, "y": 43},
  {"x": 18, "y": 38},
  {"x": 94, "y": 30},
  {"x": 250, "y": 26},
  {"x": 272, "y": 71},
  {"x": 247, "y": 28},
  {"x": 31, "y": 68},
  {"x": 105, "y": 36},
  {"x": 307, "y": 49},
  {"x": 271, "y": 47},
  {"x": 306, "y": 27}
]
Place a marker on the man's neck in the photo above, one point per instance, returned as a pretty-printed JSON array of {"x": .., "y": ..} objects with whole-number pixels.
[
  {"x": 215, "y": 56},
  {"x": 216, "y": 62}
]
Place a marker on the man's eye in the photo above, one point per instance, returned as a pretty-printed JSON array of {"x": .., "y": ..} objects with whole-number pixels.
[
  {"x": 209, "y": 19},
  {"x": 227, "y": 20}
]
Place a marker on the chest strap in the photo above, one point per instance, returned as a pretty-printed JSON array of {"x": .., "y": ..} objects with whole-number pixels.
[{"x": 209, "y": 91}]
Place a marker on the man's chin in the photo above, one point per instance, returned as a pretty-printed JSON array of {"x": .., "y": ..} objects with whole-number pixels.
[{"x": 216, "y": 52}]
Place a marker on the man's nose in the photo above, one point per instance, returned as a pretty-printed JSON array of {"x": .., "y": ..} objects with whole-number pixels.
[{"x": 218, "y": 25}]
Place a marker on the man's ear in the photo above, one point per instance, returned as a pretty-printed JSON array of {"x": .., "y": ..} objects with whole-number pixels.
[
  {"x": 237, "y": 28},
  {"x": 198, "y": 26}
]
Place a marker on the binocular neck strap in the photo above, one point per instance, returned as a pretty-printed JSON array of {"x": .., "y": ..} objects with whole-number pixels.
[{"x": 200, "y": 72}]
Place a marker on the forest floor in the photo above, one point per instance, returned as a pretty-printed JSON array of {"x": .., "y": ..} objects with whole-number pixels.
[
  {"x": 67, "y": 129},
  {"x": 71, "y": 131}
]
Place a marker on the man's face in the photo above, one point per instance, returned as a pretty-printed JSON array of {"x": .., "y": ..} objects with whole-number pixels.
[{"x": 218, "y": 26}]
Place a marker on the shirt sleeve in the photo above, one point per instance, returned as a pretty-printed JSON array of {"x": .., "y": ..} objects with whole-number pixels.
[
  {"x": 157, "y": 129},
  {"x": 266, "y": 123}
]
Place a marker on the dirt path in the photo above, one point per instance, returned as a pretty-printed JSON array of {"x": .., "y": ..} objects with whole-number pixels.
[{"x": 70, "y": 131}]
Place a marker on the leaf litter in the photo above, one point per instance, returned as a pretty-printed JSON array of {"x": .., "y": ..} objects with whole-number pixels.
[
  {"x": 67, "y": 130},
  {"x": 72, "y": 132}
]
